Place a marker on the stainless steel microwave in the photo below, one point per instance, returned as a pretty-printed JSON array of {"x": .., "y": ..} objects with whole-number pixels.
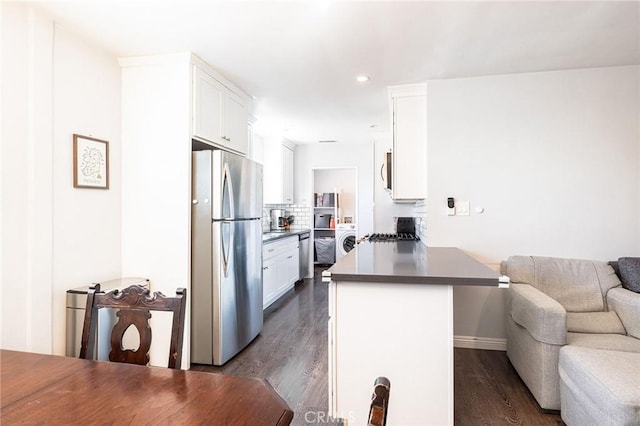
[{"x": 386, "y": 171}]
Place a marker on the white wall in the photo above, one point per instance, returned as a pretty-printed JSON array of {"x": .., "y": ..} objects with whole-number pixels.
[
  {"x": 554, "y": 160},
  {"x": 54, "y": 237},
  {"x": 360, "y": 156}
]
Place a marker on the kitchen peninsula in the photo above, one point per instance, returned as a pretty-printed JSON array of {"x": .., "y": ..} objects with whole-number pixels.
[{"x": 391, "y": 314}]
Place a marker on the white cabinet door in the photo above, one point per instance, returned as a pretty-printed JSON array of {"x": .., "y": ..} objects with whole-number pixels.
[
  {"x": 256, "y": 147},
  {"x": 279, "y": 268},
  {"x": 235, "y": 123},
  {"x": 278, "y": 173},
  {"x": 220, "y": 116},
  {"x": 288, "y": 267},
  {"x": 208, "y": 100},
  {"x": 409, "y": 170},
  {"x": 269, "y": 282},
  {"x": 291, "y": 266},
  {"x": 287, "y": 175},
  {"x": 272, "y": 173}
]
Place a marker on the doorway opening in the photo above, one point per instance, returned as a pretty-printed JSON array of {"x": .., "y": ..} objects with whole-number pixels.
[{"x": 334, "y": 213}]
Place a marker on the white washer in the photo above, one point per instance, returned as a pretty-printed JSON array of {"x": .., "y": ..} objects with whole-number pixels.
[{"x": 345, "y": 239}]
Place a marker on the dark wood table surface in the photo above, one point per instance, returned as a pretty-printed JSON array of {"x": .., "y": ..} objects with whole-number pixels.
[{"x": 36, "y": 388}]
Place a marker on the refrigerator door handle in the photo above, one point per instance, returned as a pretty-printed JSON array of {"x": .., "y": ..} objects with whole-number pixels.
[
  {"x": 227, "y": 187},
  {"x": 226, "y": 241}
]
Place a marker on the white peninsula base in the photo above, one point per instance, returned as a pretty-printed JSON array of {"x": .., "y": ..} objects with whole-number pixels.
[
  {"x": 391, "y": 315},
  {"x": 401, "y": 331}
]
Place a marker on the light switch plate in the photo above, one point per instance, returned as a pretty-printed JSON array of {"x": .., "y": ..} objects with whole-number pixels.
[{"x": 462, "y": 208}]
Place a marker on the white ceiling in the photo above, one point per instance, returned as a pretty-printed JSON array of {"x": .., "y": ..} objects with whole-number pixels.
[{"x": 299, "y": 59}]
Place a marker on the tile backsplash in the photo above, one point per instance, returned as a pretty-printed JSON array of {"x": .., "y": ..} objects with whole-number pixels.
[
  {"x": 420, "y": 214},
  {"x": 300, "y": 214}
]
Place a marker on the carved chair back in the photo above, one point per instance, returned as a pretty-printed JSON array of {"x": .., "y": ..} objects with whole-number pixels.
[
  {"x": 379, "y": 402},
  {"x": 134, "y": 305}
]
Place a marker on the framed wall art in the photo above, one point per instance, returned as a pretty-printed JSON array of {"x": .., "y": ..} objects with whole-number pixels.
[{"x": 90, "y": 162}]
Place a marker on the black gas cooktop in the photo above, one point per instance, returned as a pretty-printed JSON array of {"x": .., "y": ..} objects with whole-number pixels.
[{"x": 402, "y": 236}]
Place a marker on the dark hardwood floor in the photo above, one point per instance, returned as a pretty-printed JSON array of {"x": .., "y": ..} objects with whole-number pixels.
[{"x": 291, "y": 353}]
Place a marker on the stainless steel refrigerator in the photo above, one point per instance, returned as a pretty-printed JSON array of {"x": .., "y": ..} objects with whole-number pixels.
[{"x": 226, "y": 255}]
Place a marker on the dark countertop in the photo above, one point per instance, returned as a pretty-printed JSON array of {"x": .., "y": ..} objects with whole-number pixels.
[
  {"x": 414, "y": 263},
  {"x": 268, "y": 237}
]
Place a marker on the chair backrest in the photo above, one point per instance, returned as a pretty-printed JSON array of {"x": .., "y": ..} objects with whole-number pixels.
[
  {"x": 134, "y": 305},
  {"x": 379, "y": 402}
]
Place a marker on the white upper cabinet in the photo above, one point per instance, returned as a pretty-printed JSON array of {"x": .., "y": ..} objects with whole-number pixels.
[
  {"x": 278, "y": 173},
  {"x": 236, "y": 123},
  {"x": 219, "y": 115},
  {"x": 208, "y": 98},
  {"x": 256, "y": 146},
  {"x": 287, "y": 175},
  {"x": 409, "y": 158}
]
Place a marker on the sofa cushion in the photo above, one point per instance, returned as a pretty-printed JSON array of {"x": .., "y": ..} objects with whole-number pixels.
[
  {"x": 602, "y": 385},
  {"x": 594, "y": 322},
  {"x": 627, "y": 305},
  {"x": 614, "y": 342},
  {"x": 579, "y": 285},
  {"x": 616, "y": 268},
  {"x": 630, "y": 273}
]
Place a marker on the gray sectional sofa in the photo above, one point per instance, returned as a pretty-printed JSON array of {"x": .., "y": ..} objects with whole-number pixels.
[{"x": 573, "y": 336}]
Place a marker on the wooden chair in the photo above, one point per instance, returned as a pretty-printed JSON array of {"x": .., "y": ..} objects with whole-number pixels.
[
  {"x": 379, "y": 402},
  {"x": 134, "y": 305}
]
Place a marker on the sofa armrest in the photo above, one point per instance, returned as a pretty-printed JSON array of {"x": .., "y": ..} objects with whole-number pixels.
[
  {"x": 543, "y": 317},
  {"x": 626, "y": 304}
]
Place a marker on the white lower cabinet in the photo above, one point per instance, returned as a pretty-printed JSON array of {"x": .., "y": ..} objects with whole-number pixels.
[{"x": 280, "y": 263}]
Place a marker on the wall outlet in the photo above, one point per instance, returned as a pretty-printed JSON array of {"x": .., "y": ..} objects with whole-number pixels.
[{"x": 462, "y": 208}]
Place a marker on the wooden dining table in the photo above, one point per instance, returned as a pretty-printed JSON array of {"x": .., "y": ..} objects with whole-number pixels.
[{"x": 48, "y": 389}]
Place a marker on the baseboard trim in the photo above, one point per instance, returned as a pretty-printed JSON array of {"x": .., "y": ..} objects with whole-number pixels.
[{"x": 473, "y": 342}]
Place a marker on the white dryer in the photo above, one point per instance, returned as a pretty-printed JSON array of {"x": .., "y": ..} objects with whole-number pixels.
[{"x": 345, "y": 239}]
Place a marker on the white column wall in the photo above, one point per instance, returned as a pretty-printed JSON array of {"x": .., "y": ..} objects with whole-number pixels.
[{"x": 156, "y": 193}]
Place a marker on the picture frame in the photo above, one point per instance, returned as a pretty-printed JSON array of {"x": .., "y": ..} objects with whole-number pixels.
[
  {"x": 90, "y": 162},
  {"x": 348, "y": 219}
]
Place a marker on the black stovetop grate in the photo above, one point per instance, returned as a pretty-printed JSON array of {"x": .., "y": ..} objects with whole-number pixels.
[{"x": 403, "y": 236}]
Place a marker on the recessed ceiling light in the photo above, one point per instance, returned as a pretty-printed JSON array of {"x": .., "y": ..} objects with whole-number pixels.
[{"x": 362, "y": 78}]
